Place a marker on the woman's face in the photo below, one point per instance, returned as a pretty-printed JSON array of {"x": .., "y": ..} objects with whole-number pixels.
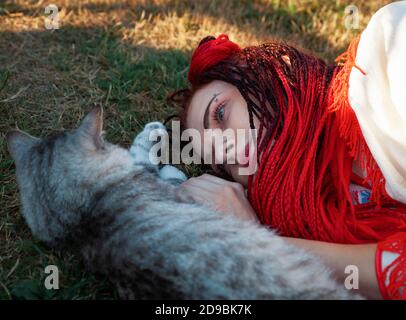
[{"x": 220, "y": 105}]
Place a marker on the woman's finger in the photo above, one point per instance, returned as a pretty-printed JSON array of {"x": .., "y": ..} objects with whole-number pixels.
[
  {"x": 201, "y": 195},
  {"x": 214, "y": 179},
  {"x": 203, "y": 183},
  {"x": 223, "y": 183},
  {"x": 197, "y": 186}
]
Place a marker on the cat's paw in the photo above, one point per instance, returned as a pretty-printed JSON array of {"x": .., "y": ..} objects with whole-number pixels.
[
  {"x": 155, "y": 125},
  {"x": 145, "y": 140},
  {"x": 172, "y": 174}
]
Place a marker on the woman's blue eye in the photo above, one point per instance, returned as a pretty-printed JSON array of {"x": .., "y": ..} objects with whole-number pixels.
[{"x": 220, "y": 112}]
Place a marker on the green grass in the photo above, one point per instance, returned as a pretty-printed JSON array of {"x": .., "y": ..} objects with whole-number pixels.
[{"x": 126, "y": 56}]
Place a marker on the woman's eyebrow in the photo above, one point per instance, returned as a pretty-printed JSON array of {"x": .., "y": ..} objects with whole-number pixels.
[{"x": 206, "y": 112}]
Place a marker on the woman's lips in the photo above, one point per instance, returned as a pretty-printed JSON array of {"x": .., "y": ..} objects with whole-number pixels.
[
  {"x": 247, "y": 150},
  {"x": 243, "y": 157}
]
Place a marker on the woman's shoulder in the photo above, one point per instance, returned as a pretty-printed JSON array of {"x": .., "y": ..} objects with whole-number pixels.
[
  {"x": 380, "y": 53},
  {"x": 391, "y": 14},
  {"x": 377, "y": 94},
  {"x": 391, "y": 8}
]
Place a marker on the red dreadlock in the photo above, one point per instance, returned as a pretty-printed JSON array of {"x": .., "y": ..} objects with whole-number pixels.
[{"x": 301, "y": 187}]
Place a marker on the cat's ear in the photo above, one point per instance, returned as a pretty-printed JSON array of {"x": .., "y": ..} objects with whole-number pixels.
[
  {"x": 92, "y": 126},
  {"x": 19, "y": 142}
]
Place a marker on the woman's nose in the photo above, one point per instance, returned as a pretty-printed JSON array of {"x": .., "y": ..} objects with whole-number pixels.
[{"x": 225, "y": 151}]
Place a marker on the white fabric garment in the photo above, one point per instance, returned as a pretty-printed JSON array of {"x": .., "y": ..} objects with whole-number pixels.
[{"x": 379, "y": 97}]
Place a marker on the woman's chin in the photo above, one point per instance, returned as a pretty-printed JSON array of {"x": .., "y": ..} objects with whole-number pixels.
[{"x": 242, "y": 179}]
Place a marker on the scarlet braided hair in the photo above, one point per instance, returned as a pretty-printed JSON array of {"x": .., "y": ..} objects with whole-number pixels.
[{"x": 301, "y": 187}]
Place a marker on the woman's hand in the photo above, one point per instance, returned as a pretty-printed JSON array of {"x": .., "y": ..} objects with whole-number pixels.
[{"x": 221, "y": 195}]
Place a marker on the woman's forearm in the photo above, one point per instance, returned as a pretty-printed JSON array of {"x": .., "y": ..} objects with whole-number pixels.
[{"x": 339, "y": 256}]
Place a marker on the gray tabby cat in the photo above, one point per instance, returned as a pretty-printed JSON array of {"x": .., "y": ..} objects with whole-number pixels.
[{"x": 126, "y": 219}]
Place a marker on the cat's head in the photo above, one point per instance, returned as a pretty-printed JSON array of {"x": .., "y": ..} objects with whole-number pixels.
[{"x": 57, "y": 175}]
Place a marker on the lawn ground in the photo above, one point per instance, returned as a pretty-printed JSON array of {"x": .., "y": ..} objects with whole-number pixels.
[{"x": 126, "y": 56}]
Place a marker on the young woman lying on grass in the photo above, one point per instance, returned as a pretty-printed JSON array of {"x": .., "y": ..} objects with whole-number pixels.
[{"x": 331, "y": 151}]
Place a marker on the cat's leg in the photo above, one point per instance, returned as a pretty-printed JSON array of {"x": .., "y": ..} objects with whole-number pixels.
[{"x": 141, "y": 151}]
